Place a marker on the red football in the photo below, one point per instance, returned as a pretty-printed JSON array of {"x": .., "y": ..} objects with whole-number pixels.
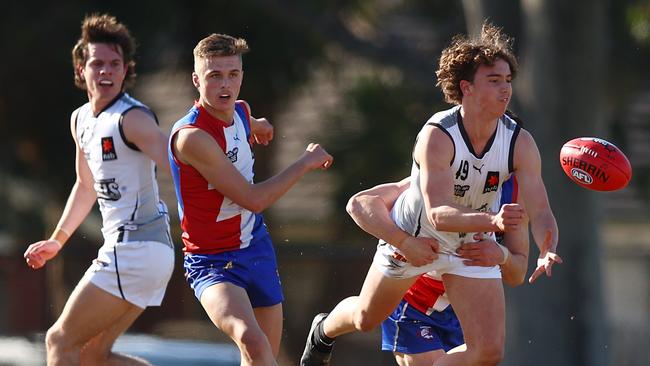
[{"x": 595, "y": 164}]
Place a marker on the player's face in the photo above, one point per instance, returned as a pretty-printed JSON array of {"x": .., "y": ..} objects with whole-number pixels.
[
  {"x": 491, "y": 89},
  {"x": 218, "y": 80},
  {"x": 104, "y": 71}
]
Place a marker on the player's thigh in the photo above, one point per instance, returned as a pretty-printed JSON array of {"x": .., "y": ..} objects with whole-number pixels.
[
  {"x": 380, "y": 295},
  {"x": 90, "y": 311},
  {"x": 229, "y": 308},
  {"x": 479, "y": 304},
  {"x": 418, "y": 359},
  {"x": 270, "y": 320}
]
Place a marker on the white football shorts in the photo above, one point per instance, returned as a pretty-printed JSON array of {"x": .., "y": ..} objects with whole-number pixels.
[
  {"x": 393, "y": 265},
  {"x": 136, "y": 271}
]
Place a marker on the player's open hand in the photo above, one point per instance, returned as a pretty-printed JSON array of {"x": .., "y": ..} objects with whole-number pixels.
[
  {"x": 510, "y": 217},
  {"x": 262, "y": 130},
  {"x": 316, "y": 157},
  {"x": 40, "y": 252},
  {"x": 482, "y": 253},
  {"x": 419, "y": 251},
  {"x": 546, "y": 259}
]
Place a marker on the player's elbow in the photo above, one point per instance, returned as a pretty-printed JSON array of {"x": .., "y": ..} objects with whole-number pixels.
[
  {"x": 436, "y": 220},
  {"x": 437, "y": 213},
  {"x": 517, "y": 274},
  {"x": 353, "y": 206},
  {"x": 255, "y": 206}
]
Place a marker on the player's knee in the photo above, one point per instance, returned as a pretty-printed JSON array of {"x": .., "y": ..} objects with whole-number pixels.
[
  {"x": 490, "y": 354},
  {"x": 363, "y": 322},
  {"x": 56, "y": 341},
  {"x": 491, "y": 357},
  {"x": 254, "y": 345}
]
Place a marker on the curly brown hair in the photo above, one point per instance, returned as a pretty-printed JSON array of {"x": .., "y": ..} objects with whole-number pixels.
[
  {"x": 104, "y": 28},
  {"x": 460, "y": 60},
  {"x": 220, "y": 45}
]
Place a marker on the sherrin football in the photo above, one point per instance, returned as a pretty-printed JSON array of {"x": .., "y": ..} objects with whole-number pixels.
[{"x": 595, "y": 164}]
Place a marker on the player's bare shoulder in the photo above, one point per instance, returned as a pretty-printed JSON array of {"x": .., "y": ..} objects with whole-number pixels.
[
  {"x": 434, "y": 142},
  {"x": 193, "y": 145},
  {"x": 138, "y": 117},
  {"x": 526, "y": 151}
]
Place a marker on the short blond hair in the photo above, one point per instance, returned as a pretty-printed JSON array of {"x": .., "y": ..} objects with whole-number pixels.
[
  {"x": 220, "y": 45},
  {"x": 463, "y": 57}
]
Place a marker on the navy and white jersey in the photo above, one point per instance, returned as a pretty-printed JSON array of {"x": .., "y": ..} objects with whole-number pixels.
[
  {"x": 477, "y": 178},
  {"x": 124, "y": 177}
]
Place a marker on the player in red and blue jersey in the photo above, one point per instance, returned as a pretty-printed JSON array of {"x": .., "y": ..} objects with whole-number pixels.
[{"x": 229, "y": 258}]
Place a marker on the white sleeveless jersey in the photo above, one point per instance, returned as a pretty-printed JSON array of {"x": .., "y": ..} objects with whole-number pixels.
[
  {"x": 477, "y": 179},
  {"x": 125, "y": 182}
]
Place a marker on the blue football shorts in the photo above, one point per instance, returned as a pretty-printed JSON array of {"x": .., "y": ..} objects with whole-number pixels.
[
  {"x": 253, "y": 268},
  {"x": 410, "y": 331}
]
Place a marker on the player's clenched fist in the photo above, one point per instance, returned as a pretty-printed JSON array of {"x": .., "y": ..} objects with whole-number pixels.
[
  {"x": 262, "y": 130},
  {"x": 316, "y": 157},
  {"x": 509, "y": 217},
  {"x": 40, "y": 252}
]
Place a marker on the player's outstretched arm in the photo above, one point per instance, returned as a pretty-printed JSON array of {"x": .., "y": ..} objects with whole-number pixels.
[
  {"x": 433, "y": 152},
  {"x": 140, "y": 128},
  {"x": 81, "y": 199},
  {"x": 195, "y": 147},
  {"x": 370, "y": 211},
  {"x": 527, "y": 165}
]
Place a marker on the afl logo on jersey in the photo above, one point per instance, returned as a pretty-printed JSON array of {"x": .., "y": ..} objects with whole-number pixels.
[
  {"x": 108, "y": 149},
  {"x": 491, "y": 182}
]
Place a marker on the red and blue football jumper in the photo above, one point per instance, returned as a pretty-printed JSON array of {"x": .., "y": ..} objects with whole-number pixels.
[{"x": 223, "y": 242}]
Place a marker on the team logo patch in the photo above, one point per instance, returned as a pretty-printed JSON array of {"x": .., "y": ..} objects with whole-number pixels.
[
  {"x": 108, "y": 149},
  {"x": 425, "y": 332},
  {"x": 108, "y": 189},
  {"x": 491, "y": 182},
  {"x": 232, "y": 155},
  {"x": 459, "y": 190}
]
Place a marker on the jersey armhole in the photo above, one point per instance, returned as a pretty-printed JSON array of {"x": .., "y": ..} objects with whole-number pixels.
[
  {"x": 435, "y": 124},
  {"x": 511, "y": 151},
  {"x": 173, "y": 133},
  {"x": 128, "y": 143},
  {"x": 75, "y": 117},
  {"x": 241, "y": 108}
]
